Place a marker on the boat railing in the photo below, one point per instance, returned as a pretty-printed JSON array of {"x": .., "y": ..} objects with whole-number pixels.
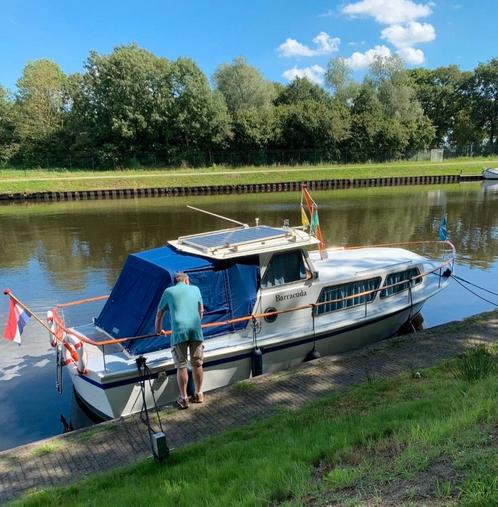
[{"x": 438, "y": 271}]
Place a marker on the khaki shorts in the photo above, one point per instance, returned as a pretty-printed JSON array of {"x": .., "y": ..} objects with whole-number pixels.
[{"x": 195, "y": 349}]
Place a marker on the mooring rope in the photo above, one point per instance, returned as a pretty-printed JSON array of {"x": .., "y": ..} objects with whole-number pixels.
[
  {"x": 457, "y": 280},
  {"x": 474, "y": 285}
]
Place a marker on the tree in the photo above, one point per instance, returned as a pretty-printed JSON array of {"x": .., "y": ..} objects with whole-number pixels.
[
  {"x": 299, "y": 90},
  {"x": 121, "y": 106},
  {"x": 198, "y": 116},
  {"x": 40, "y": 109},
  {"x": 8, "y": 146},
  {"x": 338, "y": 78},
  {"x": 484, "y": 93},
  {"x": 243, "y": 86},
  {"x": 313, "y": 125},
  {"x": 404, "y": 126},
  {"x": 443, "y": 99},
  {"x": 255, "y": 129}
]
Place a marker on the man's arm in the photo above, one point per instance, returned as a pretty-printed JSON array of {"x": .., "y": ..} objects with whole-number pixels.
[
  {"x": 201, "y": 310},
  {"x": 159, "y": 320}
]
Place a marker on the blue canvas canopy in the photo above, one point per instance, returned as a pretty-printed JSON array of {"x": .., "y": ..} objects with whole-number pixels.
[{"x": 228, "y": 291}]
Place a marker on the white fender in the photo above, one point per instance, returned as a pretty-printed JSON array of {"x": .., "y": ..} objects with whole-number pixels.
[
  {"x": 77, "y": 345},
  {"x": 52, "y": 325}
]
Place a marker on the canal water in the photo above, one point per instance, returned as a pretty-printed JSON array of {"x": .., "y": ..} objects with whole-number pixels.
[{"x": 58, "y": 252}]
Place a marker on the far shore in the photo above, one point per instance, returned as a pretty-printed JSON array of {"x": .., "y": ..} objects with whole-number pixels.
[{"x": 63, "y": 180}]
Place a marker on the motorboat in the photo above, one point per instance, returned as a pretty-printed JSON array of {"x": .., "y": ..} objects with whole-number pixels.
[
  {"x": 490, "y": 173},
  {"x": 273, "y": 297}
]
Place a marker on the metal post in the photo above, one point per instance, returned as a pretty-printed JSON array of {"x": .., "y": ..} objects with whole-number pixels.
[{"x": 103, "y": 356}]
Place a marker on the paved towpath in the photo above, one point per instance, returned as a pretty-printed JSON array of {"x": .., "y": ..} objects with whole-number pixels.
[{"x": 73, "y": 456}]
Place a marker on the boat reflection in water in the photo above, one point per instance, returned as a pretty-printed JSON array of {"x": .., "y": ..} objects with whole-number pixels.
[{"x": 489, "y": 186}]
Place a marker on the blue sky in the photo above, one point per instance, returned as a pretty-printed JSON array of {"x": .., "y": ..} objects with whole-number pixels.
[{"x": 283, "y": 38}]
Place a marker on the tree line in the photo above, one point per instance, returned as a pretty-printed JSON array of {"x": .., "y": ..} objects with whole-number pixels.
[{"x": 132, "y": 108}]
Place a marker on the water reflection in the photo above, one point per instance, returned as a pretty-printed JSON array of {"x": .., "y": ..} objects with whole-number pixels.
[{"x": 57, "y": 252}]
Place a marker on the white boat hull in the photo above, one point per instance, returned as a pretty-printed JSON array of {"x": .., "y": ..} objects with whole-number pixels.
[
  {"x": 490, "y": 174},
  {"x": 124, "y": 397}
]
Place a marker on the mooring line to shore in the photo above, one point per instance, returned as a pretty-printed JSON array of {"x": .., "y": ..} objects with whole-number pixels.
[{"x": 460, "y": 280}]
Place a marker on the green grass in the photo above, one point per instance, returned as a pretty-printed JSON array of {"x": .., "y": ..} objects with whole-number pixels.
[
  {"x": 58, "y": 180},
  {"x": 47, "y": 448},
  {"x": 402, "y": 441}
]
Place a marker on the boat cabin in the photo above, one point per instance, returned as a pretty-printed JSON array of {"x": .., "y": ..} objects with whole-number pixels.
[{"x": 229, "y": 267}]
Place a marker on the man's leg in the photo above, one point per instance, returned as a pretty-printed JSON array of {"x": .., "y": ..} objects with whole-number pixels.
[
  {"x": 196, "y": 358},
  {"x": 179, "y": 353},
  {"x": 182, "y": 379},
  {"x": 198, "y": 378}
]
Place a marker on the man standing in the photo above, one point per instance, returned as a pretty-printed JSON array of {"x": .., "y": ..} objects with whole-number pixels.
[{"x": 184, "y": 302}]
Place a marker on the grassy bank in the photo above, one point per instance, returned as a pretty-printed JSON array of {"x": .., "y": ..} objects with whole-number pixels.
[
  {"x": 425, "y": 437},
  {"x": 58, "y": 180}
]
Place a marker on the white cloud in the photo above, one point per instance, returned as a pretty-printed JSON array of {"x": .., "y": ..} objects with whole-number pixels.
[
  {"x": 314, "y": 73},
  {"x": 363, "y": 60},
  {"x": 412, "y": 56},
  {"x": 388, "y": 11},
  {"x": 291, "y": 47},
  {"x": 408, "y": 35},
  {"x": 325, "y": 44}
]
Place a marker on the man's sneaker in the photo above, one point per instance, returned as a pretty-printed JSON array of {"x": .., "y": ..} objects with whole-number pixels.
[
  {"x": 198, "y": 398},
  {"x": 182, "y": 403}
]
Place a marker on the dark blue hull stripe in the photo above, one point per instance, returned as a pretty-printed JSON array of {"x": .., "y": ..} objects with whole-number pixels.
[{"x": 247, "y": 355}]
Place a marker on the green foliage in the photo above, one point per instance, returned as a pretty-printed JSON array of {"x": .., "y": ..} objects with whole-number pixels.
[
  {"x": 199, "y": 118},
  {"x": 484, "y": 93},
  {"x": 243, "y": 86},
  {"x": 475, "y": 364},
  {"x": 120, "y": 105},
  {"x": 39, "y": 110},
  {"x": 338, "y": 78},
  {"x": 132, "y": 108},
  {"x": 299, "y": 90},
  {"x": 8, "y": 144}
]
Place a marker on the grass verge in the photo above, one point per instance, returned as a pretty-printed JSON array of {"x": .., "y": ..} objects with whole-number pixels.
[
  {"x": 59, "y": 180},
  {"x": 430, "y": 439}
]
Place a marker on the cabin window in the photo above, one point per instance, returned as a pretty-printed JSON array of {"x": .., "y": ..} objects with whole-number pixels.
[
  {"x": 345, "y": 290},
  {"x": 284, "y": 268},
  {"x": 407, "y": 277}
]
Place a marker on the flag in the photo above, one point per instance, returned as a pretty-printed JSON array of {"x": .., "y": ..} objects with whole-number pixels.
[
  {"x": 16, "y": 321},
  {"x": 315, "y": 224},
  {"x": 304, "y": 219},
  {"x": 442, "y": 229}
]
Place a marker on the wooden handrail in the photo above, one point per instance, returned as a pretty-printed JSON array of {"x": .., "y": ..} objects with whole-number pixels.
[{"x": 245, "y": 318}]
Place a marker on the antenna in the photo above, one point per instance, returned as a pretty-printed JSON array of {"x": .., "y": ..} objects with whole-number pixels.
[{"x": 217, "y": 216}]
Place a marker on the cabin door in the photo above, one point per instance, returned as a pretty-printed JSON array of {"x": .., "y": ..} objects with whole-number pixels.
[{"x": 286, "y": 284}]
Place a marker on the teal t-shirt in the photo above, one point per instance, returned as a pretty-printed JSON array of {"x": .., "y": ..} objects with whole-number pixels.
[{"x": 183, "y": 301}]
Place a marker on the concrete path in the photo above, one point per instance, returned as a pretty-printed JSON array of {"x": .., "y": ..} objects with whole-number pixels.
[{"x": 73, "y": 456}]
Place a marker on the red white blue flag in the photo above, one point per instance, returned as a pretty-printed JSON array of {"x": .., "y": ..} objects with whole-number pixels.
[{"x": 16, "y": 321}]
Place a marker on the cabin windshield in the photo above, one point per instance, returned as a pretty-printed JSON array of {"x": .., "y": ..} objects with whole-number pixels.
[{"x": 285, "y": 267}]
